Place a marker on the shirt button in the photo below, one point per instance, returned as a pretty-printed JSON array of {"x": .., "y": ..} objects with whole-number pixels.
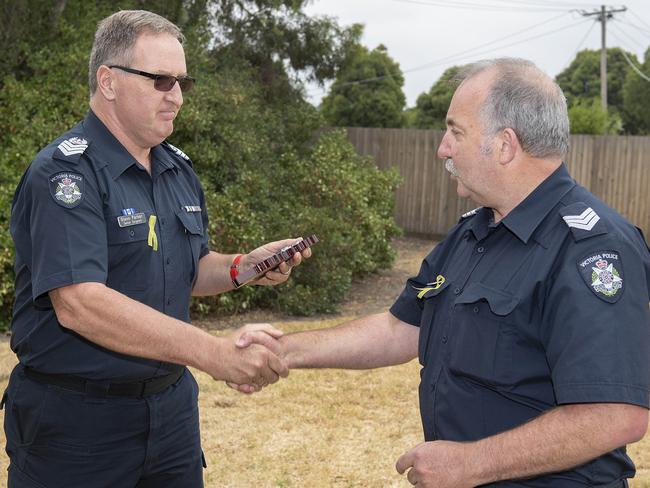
[
  {"x": 475, "y": 309},
  {"x": 480, "y": 249},
  {"x": 131, "y": 232},
  {"x": 444, "y": 339},
  {"x": 456, "y": 291},
  {"x": 169, "y": 261},
  {"x": 169, "y": 301}
]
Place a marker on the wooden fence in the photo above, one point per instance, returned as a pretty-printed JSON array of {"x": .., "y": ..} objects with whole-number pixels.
[{"x": 615, "y": 168}]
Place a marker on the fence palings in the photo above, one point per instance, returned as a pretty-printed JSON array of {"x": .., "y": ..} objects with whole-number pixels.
[{"x": 615, "y": 168}]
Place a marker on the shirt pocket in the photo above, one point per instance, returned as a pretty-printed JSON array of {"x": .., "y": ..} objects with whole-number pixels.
[
  {"x": 129, "y": 257},
  {"x": 483, "y": 335},
  {"x": 117, "y": 235},
  {"x": 431, "y": 303},
  {"x": 193, "y": 228}
]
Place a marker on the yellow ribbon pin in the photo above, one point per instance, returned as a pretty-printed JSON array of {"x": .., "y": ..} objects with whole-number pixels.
[
  {"x": 440, "y": 280},
  {"x": 153, "y": 238}
]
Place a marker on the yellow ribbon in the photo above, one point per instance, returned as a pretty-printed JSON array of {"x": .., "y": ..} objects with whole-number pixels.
[
  {"x": 440, "y": 280},
  {"x": 152, "y": 240}
]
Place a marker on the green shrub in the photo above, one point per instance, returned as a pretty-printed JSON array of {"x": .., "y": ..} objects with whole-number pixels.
[{"x": 264, "y": 176}]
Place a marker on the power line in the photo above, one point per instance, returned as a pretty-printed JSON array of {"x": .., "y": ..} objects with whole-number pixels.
[
  {"x": 639, "y": 18},
  {"x": 450, "y": 59},
  {"x": 466, "y": 51},
  {"x": 640, "y": 29},
  {"x": 482, "y": 6},
  {"x": 616, "y": 29},
  {"x": 632, "y": 65},
  {"x": 459, "y": 56},
  {"x": 545, "y": 3},
  {"x": 580, "y": 44}
]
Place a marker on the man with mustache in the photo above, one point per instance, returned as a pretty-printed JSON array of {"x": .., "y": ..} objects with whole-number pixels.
[
  {"x": 110, "y": 230},
  {"x": 530, "y": 319}
]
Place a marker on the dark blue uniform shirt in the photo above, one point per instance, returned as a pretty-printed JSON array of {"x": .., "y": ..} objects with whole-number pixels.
[
  {"x": 547, "y": 307},
  {"x": 86, "y": 211}
]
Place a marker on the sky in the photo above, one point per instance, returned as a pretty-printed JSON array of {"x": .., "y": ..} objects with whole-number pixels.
[{"x": 428, "y": 36}]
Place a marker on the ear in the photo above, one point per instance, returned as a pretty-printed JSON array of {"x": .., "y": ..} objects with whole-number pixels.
[
  {"x": 508, "y": 146},
  {"x": 106, "y": 82}
]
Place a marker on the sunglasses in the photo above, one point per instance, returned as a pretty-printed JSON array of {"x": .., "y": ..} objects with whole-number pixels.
[{"x": 162, "y": 82}]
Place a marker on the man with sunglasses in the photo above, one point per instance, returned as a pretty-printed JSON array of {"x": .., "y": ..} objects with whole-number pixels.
[{"x": 110, "y": 230}]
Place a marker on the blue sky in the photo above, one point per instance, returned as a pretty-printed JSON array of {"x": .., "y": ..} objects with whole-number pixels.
[{"x": 427, "y": 36}]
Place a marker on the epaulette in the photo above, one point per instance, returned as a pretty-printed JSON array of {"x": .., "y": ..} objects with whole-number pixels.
[
  {"x": 583, "y": 221},
  {"x": 70, "y": 149},
  {"x": 177, "y": 151},
  {"x": 469, "y": 214}
]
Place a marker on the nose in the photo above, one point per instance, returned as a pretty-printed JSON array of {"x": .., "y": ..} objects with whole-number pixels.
[
  {"x": 175, "y": 95},
  {"x": 444, "y": 149}
]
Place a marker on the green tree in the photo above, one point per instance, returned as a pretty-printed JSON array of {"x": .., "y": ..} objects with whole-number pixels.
[
  {"x": 280, "y": 41},
  {"x": 581, "y": 80},
  {"x": 431, "y": 108},
  {"x": 367, "y": 91},
  {"x": 635, "y": 99},
  {"x": 263, "y": 173},
  {"x": 588, "y": 117}
]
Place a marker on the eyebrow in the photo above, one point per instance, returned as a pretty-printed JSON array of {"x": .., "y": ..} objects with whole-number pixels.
[{"x": 452, "y": 123}]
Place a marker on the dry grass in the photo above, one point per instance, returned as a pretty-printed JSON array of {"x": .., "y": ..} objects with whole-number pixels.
[{"x": 319, "y": 428}]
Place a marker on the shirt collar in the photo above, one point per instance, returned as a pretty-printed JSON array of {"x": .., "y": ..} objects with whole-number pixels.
[
  {"x": 529, "y": 214},
  {"x": 113, "y": 153}
]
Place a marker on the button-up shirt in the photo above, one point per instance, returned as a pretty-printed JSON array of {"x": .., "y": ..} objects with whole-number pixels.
[
  {"x": 87, "y": 211},
  {"x": 547, "y": 307}
]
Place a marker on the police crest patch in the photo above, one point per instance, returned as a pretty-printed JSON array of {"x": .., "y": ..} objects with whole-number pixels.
[
  {"x": 67, "y": 188},
  {"x": 603, "y": 273}
]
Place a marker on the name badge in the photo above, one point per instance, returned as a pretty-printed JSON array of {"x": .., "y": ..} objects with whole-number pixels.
[
  {"x": 192, "y": 208},
  {"x": 134, "y": 219}
]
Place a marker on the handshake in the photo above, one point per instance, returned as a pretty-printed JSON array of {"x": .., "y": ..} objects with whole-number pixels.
[{"x": 258, "y": 358}]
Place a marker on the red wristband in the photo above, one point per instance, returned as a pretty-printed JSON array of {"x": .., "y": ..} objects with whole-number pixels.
[{"x": 234, "y": 269}]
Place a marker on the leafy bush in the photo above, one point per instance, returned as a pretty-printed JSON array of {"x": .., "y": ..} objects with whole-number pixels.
[
  {"x": 264, "y": 175},
  {"x": 588, "y": 117}
]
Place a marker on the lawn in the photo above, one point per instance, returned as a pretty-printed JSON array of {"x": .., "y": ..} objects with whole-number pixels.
[{"x": 319, "y": 428}]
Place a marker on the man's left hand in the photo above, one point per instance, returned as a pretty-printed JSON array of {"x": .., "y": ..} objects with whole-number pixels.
[
  {"x": 438, "y": 464},
  {"x": 282, "y": 272}
]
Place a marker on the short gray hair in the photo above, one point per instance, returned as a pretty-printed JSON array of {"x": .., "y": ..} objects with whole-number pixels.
[
  {"x": 117, "y": 34},
  {"x": 523, "y": 98}
]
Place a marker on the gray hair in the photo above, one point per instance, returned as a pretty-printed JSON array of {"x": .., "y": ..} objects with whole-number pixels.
[
  {"x": 117, "y": 34},
  {"x": 524, "y": 99}
]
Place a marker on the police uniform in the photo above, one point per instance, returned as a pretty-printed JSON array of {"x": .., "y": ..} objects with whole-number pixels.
[
  {"x": 86, "y": 211},
  {"x": 545, "y": 308}
]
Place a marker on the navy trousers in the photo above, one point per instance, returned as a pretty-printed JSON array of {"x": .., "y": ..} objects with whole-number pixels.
[{"x": 60, "y": 438}]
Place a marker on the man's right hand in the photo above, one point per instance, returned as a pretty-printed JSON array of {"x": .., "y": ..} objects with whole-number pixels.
[
  {"x": 255, "y": 358},
  {"x": 253, "y": 337}
]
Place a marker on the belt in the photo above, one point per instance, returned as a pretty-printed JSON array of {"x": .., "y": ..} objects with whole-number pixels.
[{"x": 133, "y": 389}]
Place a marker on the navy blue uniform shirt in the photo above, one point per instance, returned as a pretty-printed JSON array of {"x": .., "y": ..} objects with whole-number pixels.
[
  {"x": 547, "y": 307},
  {"x": 86, "y": 211}
]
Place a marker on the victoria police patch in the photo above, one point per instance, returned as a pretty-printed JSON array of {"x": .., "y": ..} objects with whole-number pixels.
[
  {"x": 603, "y": 273},
  {"x": 67, "y": 188}
]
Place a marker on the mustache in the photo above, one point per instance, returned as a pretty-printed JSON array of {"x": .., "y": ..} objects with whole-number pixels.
[{"x": 451, "y": 167}]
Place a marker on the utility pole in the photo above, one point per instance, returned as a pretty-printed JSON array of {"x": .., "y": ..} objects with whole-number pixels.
[{"x": 603, "y": 14}]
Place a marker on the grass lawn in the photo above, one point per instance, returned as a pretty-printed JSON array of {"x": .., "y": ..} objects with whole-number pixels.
[{"x": 319, "y": 428}]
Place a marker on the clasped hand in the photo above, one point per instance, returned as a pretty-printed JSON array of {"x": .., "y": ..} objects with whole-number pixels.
[{"x": 262, "y": 357}]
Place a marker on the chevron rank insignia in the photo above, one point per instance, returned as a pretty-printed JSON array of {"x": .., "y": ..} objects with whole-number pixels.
[
  {"x": 583, "y": 221},
  {"x": 603, "y": 274},
  {"x": 71, "y": 149},
  {"x": 74, "y": 145},
  {"x": 66, "y": 188}
]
